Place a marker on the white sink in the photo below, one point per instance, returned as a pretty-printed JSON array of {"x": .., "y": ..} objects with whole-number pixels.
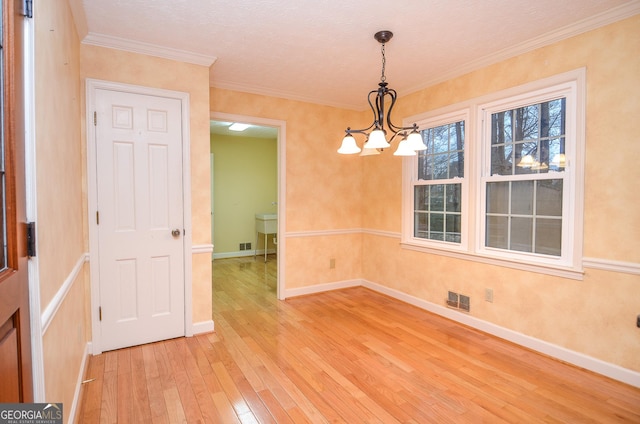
[{"x": 267, "y": 223}]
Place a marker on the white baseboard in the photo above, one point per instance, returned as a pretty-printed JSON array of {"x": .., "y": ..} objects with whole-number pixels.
[
  {"x": 242, "y": 253},
  {"x": 319, "y": 288},
  {"x": 81, "y": 375},
  {"x": 202, "y": 248},
  {"x": 578, "y": 359},
  {"x": 202, "y": 327}
]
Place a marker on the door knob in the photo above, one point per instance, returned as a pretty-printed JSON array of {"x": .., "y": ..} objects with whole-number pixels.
[{"x": 175, "y": 233}]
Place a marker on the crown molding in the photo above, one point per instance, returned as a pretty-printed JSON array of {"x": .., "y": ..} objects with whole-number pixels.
[
  {"x": 118, "y": 43},
  {"x": 610, "y": 16},
  {"x": 261, "y": 91}
]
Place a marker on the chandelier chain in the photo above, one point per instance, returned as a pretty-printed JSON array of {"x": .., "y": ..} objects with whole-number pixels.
[{"x": 383, "y": 78}]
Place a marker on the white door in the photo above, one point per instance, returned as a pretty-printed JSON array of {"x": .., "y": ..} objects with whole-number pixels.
[{"x": 140, "y": 218}]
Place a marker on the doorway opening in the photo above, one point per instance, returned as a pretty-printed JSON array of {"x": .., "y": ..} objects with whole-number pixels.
[{"x": 247, "y": 188}]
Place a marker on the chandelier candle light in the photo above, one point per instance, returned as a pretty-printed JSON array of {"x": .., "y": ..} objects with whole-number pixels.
[{"x": 376, "y": 133}]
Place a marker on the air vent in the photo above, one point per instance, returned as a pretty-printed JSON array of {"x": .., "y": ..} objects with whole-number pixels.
[
  {"x": 458, "y": 301},
  {"x": 452, "y": 299},
  {"x": 464, "y": 303}
]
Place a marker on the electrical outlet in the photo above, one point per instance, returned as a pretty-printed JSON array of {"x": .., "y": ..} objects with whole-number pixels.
[
  {"x": 247, "y": 246},
  {"x": 242, "y": 246},
  {"x": 488, "y": 295},
  {"x": 332, "y": 263}
]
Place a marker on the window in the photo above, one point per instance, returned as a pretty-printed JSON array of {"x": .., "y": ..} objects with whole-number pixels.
[
  {"x": 437, "y": 179},
  {"x": 501, "y": 179},
  {"x": 524, "y": 189},
  {"x": 438, "y": 186}
]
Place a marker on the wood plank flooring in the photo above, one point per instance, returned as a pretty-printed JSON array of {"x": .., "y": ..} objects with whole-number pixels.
[{"x": 348, "y": 356}]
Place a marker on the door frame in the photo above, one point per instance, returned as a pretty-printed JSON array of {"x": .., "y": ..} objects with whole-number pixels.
[
  {"x": 282, "y": 185},
  {"x": 92, "y": 85}
]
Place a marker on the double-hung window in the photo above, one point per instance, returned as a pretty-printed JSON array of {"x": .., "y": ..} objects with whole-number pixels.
[
  {"x": 438, "y": 182},
  {"x": 506, "y": 186}
]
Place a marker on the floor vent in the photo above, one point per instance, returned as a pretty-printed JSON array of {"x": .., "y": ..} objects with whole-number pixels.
[
  {"x": 458, "y": 301},
  {"x": 452, "y": 299},
  {"x": 464, "y": 303}
]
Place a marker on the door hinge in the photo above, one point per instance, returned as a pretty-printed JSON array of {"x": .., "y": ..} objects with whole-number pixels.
[
  {"x": 99, "y": 313},
  {"x": 97, "y": 218},
  {"x": 31, "y": 239},
  {"x": 28, "y": 8},
  {"x": 95, "y": 118}
]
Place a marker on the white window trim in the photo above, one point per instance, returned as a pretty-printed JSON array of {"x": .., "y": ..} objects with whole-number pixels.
[
  {"x": 569, "y": 265},
  {"x": 410, "y": 177}
]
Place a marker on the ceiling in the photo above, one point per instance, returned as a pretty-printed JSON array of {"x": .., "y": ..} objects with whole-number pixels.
[
  {"x": 323, "y": 51},
  {"x": 254, "y": 131}
]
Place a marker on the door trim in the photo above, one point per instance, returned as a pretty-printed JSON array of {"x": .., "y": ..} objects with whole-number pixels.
[
  {"x": 282, "y": 184},
  {"x": 92, "y": 85},
  {"x": 37, "y": 355}
]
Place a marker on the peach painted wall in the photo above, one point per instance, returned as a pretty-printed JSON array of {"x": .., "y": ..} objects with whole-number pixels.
[
  {"x": 59, "y": 194},
  {"x": 323, "y": 189},
  {"x": 326, "y": 191},
  {"x": 596, "y": 316},
  {"x": 131, "y": 68}
]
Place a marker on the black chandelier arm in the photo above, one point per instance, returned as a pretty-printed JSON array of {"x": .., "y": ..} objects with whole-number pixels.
[
  {"x": 395, "y": 128},
  {"x": 377, "y": 110},
  {"x": 401, "y": 131},
  {"x": 364, "y": 131},
  {"x": 378, "y": 113}
]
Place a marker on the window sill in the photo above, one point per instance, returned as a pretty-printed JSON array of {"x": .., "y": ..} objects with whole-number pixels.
[{"x": 562, "y": 272}]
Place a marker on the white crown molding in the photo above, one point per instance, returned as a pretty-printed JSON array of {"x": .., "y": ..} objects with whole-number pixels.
[
  {"x": 605, "y": 18},
  {"x": 262, "y": 91},
  {"x": 118, "y": 43}
]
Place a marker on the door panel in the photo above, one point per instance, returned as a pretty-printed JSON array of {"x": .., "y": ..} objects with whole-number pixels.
[
  {"x": 139, "y": 174},
  {"x": 9, "y": 362},
  {"x": 15, "y": 334}
]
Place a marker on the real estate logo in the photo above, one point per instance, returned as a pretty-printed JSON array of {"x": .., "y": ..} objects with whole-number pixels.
[{"x": 30, "y": 413}]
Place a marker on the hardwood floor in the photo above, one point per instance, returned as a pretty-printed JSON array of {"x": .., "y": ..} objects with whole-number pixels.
[{"x": 348, "y": 356}]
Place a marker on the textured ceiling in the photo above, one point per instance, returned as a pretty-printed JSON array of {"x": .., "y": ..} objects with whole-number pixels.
[{"x": 323, "y": 51}]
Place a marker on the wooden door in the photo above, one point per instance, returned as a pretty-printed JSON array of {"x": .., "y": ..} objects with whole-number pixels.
[
  {"x": 141, "y": 224},
  {"x": 15, "y": 335}
]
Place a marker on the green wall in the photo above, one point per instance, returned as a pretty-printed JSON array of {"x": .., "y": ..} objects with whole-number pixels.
[{"x": 245, "y": 183}]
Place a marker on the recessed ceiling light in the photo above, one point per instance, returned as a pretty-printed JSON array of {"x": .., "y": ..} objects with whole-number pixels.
[{"x": 238, "y": 127}]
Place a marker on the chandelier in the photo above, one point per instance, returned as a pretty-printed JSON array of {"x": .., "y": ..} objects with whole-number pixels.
[{"x": 376, "y": 133}]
